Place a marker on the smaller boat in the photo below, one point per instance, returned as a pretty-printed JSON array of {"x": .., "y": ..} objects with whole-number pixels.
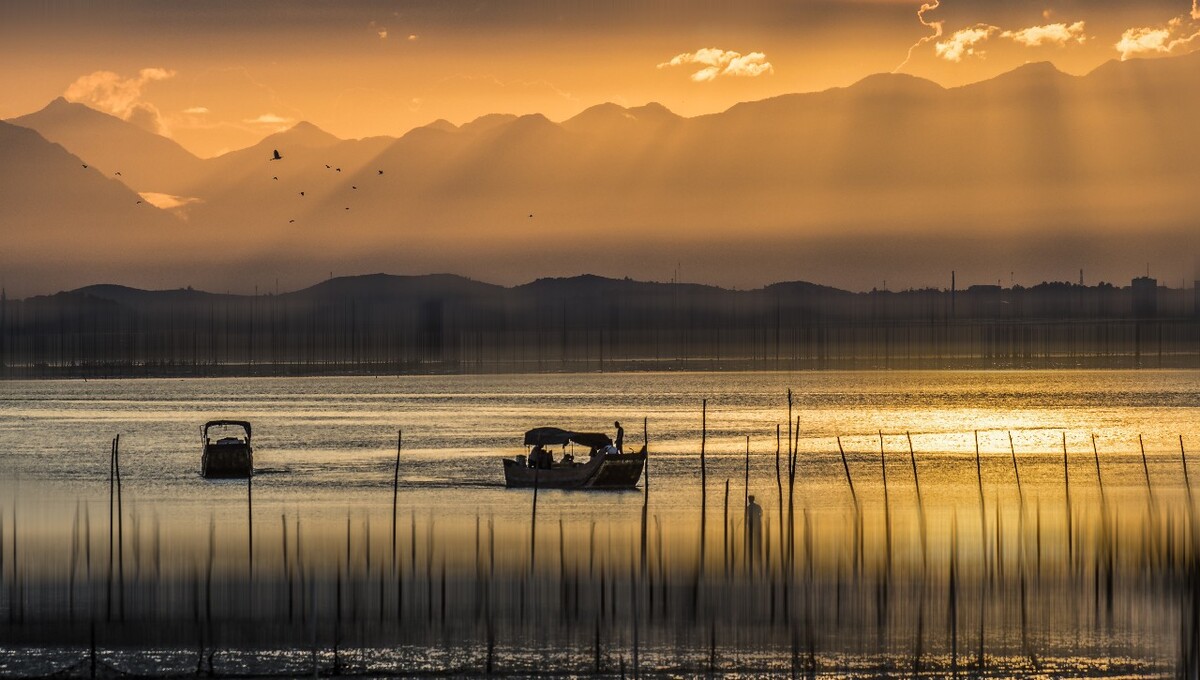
[
  {"x": 231, "y": 454},
  {"x": 603, "y": 468}
]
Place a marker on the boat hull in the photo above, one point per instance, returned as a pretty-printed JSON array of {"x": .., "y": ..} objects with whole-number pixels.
[
  {"x": 223, "y": 461},
  {"x": 602, "y": 471}
]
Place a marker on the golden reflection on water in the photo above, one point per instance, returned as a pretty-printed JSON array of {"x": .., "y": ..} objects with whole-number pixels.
[{"x": 1093, "y": 555}]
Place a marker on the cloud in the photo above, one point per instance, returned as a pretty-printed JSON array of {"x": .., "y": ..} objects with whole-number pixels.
[
  {"x": 269, "y": 119},
  {"x": 1050, "y": 34},
  {"x": 1137, "y": 41},
  {"x": 1150, "y": 40},
  {"x": 196, "y": 110},
  {"x": 965, "y": 43},
  {"x": 122, "y": 97},
  {"x": 382, "y": 33},
  {"x": 718, "y": 62}
]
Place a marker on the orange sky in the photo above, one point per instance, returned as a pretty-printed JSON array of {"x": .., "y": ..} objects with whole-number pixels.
[{"x": 217, "y": 76}]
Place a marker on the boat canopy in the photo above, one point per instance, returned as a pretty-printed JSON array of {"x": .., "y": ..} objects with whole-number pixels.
[
  {"x": 235, "y": 423},
  {"x": 553, "y": 436}
]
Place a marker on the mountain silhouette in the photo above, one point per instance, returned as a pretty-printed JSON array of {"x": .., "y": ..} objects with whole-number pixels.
[
  {"x": 146, "y": 161},
  {"x": 891, "y": 174},
  {"x": 57, "y": 212}
]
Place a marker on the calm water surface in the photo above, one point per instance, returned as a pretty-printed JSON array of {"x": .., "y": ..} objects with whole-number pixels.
[
  {"x": 1030, "y": 567},
  {"x": 326, "y": 445}
]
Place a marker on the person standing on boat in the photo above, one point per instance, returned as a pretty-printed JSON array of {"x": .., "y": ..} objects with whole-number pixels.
[
  {"x": 753, "y": 532},
  {"x": 620, "y": 442}
]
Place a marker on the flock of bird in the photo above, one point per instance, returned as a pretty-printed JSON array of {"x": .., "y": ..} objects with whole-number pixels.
[{"x": 276, "y": 156}]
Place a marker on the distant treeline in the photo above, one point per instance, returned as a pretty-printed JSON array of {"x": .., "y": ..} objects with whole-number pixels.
[{"x": 382, "y": 324}]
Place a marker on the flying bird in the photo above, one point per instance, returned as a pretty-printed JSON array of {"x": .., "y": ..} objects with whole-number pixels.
[
  {"x": 353, "y": 187},
  {"x": 138, "y": 203},
  {"x": 274, "y": 178},
  {"x": 380, "y": 172},
  {"x": 327, "y": 166},
  {"x": 338, "y": 169},
  {"x": 118, "y": 173},
  {"x": 291, "y": 221},
  {"x": 276, "y": 156},
  {"x": 301, "y": 193},
  {"x": 531, "y": 214},
  {"x": 85, "y": 166}
]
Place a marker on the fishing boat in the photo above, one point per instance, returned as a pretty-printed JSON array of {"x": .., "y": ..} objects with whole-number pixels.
[
  {"x": 230, "y": 455},
  {"x": 602, "y": 465}
]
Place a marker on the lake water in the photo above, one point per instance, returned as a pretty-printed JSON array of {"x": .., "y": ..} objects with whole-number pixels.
[
  {"x": 325, "y": 445},
  {"x": 325, "y": 450}
]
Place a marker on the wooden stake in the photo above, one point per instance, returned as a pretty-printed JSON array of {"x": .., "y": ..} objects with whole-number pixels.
[
  {"x": 120, "y": 532},
  {"x": 1067, "y": 485},
  {"x": 1016, "y": 471},
  {"x": 703, "y": 481},
  {"x": 1146, "y": 469},
  {"x": 846, "y": 467},
  {"x": 1186, "y": 482},
  {"x": 396, "y": 493}
]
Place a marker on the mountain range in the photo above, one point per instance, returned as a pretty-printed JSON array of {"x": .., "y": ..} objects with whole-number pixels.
[{"x": 1034, "y": 173}]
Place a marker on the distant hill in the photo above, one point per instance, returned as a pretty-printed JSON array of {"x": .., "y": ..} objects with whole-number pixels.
[
  {"x": 381, "y": 287},
  {"x": 408, "y": 288}
]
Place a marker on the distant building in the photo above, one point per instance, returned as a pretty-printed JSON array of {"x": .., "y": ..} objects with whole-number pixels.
[
  {"x": 1196, "y": 298},
  {"x": 1145, "y": 297}
]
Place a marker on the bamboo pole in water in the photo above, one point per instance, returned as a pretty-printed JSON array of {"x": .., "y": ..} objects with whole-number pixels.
[
  {"x": 1067, "y": 487},
  {"x": 746, "y": 483},
  {"x": 287, "y": 570},
  {"x": 746, "y": 507},
  {"x": 887, "y": 506},
  {"x": 120, "y": 532},
  {"x": 791, "y": 517},
  {"x": 396, "y": 493},
  {"x": 846, "y": 467},
  {"x": 645, "y": 491},
  {"x": 533, "y": 521},
  {"x": 1150, "y": 504},
  {"x": 912, "y": 456},
  {"x": 10, "y": 609},
  {"x": 703, "y": 482},
  {"x": 725, "y": 523},
  {"x": 1105, "y": 541},
  {"x": 112, "y": 490},
  {"x": 952, "y": 587},
  {"x": 1099, "y": 478},
  {"x": 250, "y": 525},
  {"x": 1186, "y": 482},
  {"x": 984, "y": 551},
  {"x": 779, "y": 486},
  {"x": 1146, "y": 469},
  {"x": 1012, "y": 449},
  {"x": 858, "y": 533}
]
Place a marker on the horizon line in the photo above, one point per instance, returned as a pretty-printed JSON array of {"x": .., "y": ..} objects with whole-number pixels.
[{"x": 966, "y": 288}]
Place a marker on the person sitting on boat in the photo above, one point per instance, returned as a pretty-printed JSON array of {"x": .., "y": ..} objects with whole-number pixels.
[
  {"x": 620, "y": 441},
  {"x": 539, "y": 457}
]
